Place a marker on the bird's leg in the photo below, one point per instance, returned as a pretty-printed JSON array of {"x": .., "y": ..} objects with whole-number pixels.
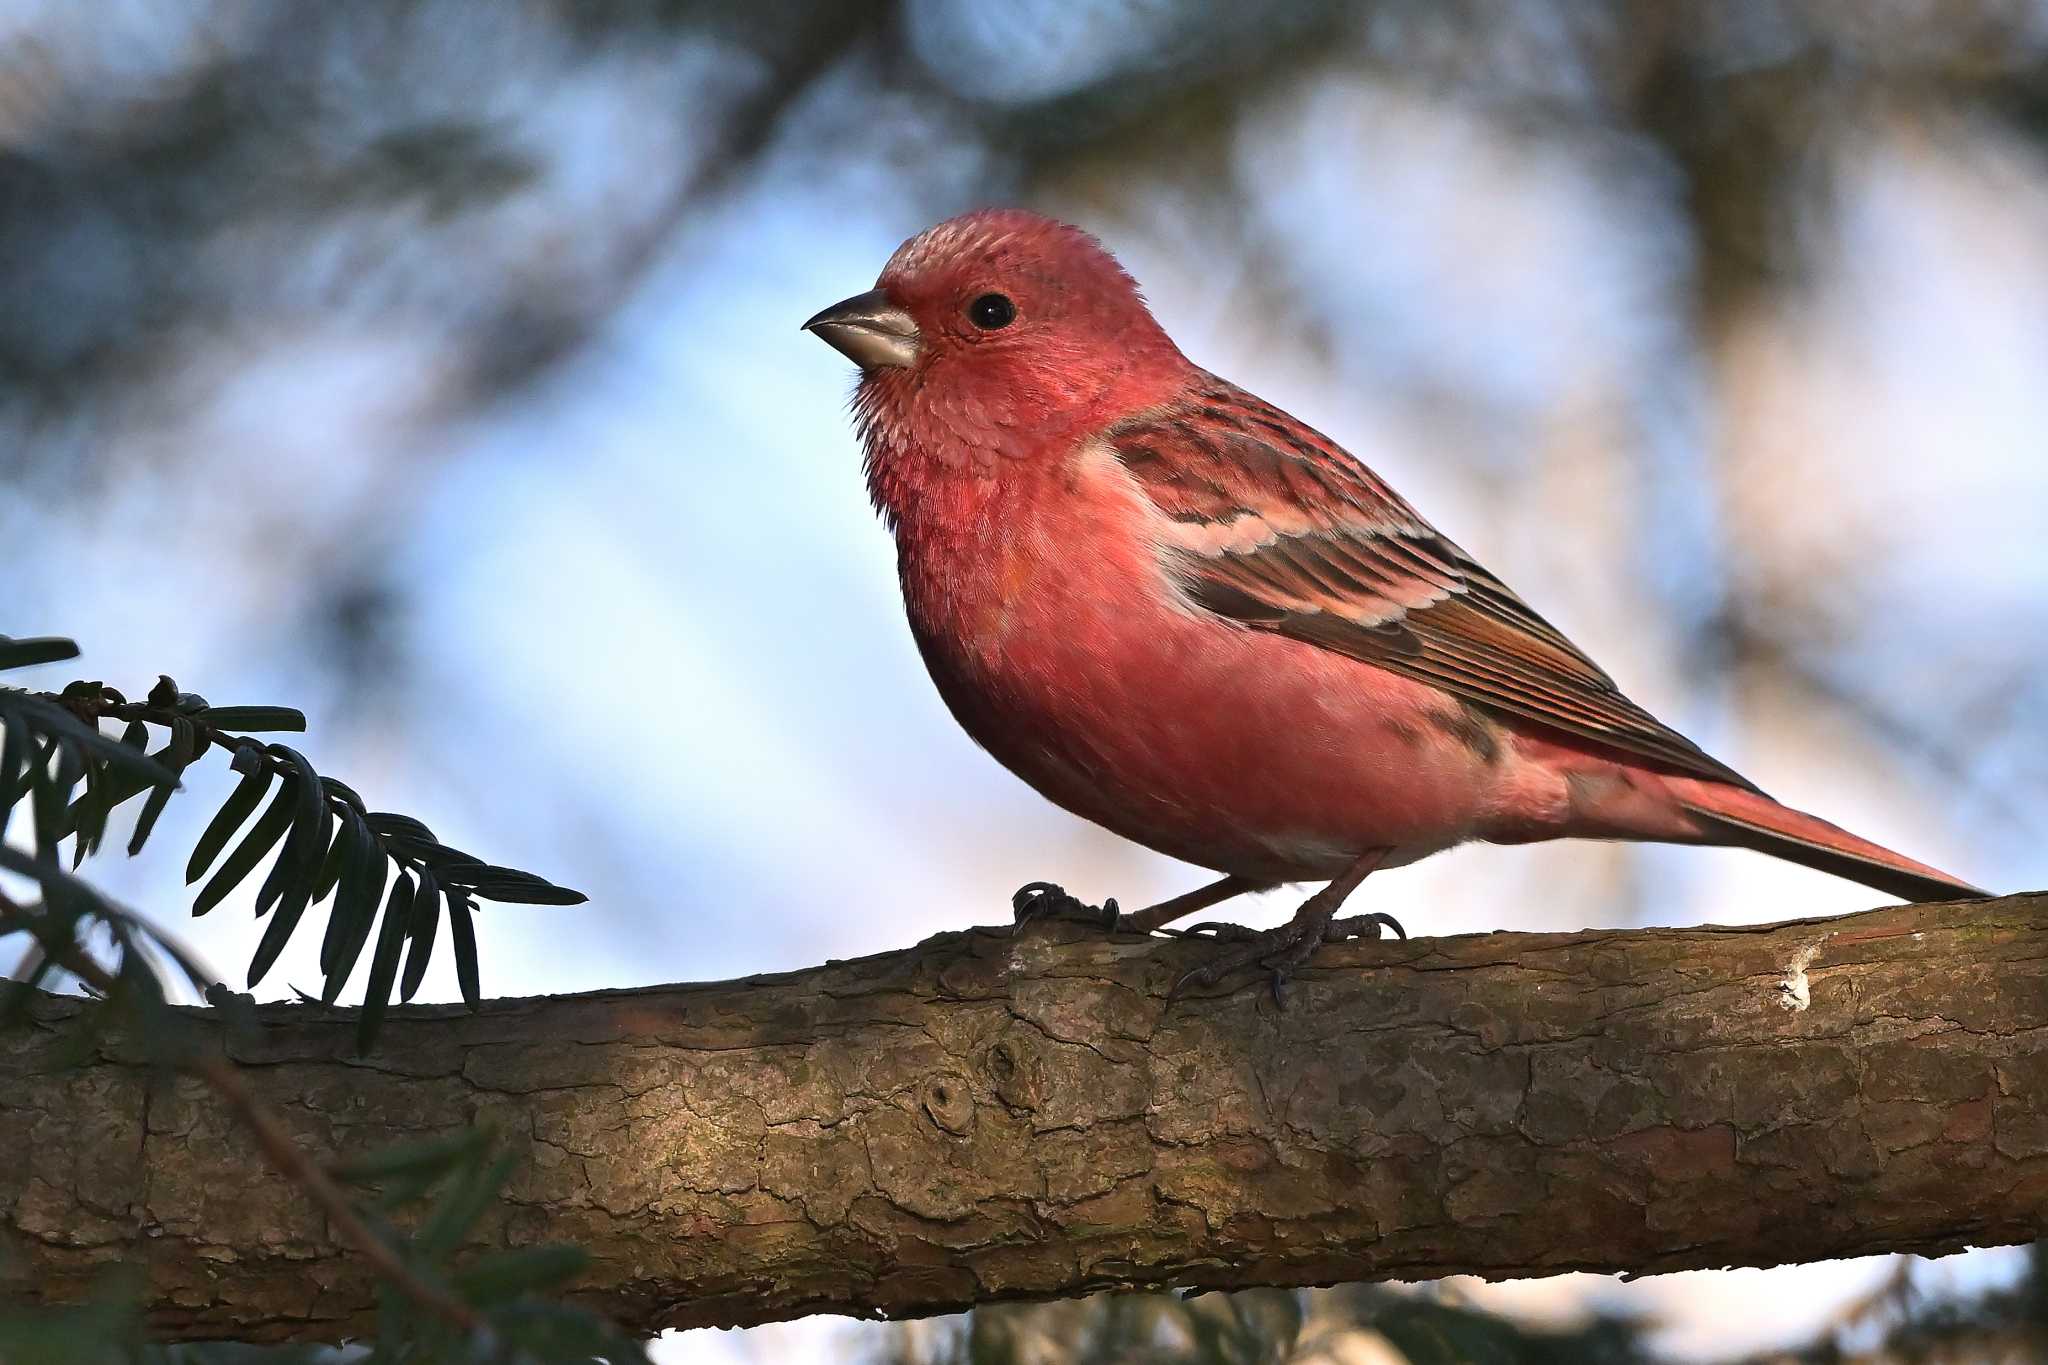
[
  {"x": 1284, "y": 949},
  {"x": 1201, "y": 898},
  {"x": 1044, "y": 900}
]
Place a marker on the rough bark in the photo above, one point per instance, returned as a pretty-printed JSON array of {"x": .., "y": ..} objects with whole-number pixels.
[{"x": 985, "y": 1117}]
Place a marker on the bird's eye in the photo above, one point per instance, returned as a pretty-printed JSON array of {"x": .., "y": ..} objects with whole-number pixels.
[{"x": 992, "y": 311}]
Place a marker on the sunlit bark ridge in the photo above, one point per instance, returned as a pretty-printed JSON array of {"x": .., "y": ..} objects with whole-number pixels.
[{"x": 986, "y": 1116}]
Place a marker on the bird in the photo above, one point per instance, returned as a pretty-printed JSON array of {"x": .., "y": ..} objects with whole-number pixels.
[{"x": 1179, "y": 612}]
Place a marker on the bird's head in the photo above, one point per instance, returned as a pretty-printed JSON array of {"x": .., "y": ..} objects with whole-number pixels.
[{"x": 999, "y": 333}]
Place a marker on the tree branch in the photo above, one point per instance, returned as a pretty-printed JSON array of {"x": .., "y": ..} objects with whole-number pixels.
[
  {"x": 284, "y": 1155},
  {"x": 983, "y": 1117}
]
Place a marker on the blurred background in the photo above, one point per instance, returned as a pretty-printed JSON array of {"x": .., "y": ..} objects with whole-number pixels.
[{"x": 433, "y": 366}]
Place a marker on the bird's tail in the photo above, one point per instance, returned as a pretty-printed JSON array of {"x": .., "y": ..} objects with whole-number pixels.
[{"x": 1748, "y": 819}]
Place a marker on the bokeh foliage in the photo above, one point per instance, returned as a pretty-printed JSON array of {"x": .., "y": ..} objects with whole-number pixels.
[{"x": 1373, "y": 1323}]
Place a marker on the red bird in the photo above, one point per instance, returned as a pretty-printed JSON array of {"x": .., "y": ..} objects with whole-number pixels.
[{"x": 1179, "y": 612}]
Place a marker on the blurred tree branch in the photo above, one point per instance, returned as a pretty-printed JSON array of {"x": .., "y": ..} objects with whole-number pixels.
[{"x": 987, "y": 1117}]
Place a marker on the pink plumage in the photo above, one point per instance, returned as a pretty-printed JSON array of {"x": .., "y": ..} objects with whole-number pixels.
[{"x": 1179, "y": 612}]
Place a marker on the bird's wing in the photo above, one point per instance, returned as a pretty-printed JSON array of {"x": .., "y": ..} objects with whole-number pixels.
[{"x": 1272, "y": 525}]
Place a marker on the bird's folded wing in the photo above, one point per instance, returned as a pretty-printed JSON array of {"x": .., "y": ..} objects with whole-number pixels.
[{"x": 1272, "y": 525}]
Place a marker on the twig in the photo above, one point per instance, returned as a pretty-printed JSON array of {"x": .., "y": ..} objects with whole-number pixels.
[{"x": 30, "y": 960}]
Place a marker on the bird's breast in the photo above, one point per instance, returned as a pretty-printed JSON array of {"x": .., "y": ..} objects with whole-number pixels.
[{"x": 1059, "y": 642}]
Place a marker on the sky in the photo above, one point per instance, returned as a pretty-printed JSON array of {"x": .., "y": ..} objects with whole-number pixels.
[{"x": 648, "y": 641}]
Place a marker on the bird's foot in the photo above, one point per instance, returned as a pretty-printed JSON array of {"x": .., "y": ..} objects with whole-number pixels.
[
  {"x": 1220, "y": 931},
  {"x": 1036, "y": 901},
  {"x": 1372, "y": 925},
  {"x": 1281, "y": 951}
]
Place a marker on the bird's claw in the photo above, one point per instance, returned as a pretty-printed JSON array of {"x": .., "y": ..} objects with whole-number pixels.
[
  {"x": 1045, "y": 900},
  {"x": 1370, "y": 925},
  {"x": 1277, "y": 949},
  {"x": 1220, "y": 931},
  {"x": 1282, "y": 950}
]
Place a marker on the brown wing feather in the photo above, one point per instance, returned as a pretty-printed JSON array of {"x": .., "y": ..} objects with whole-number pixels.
[{"x": 1277, "y": 528}]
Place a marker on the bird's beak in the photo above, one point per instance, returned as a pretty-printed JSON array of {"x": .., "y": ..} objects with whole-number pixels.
[{"x": 868, "y": 330}]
